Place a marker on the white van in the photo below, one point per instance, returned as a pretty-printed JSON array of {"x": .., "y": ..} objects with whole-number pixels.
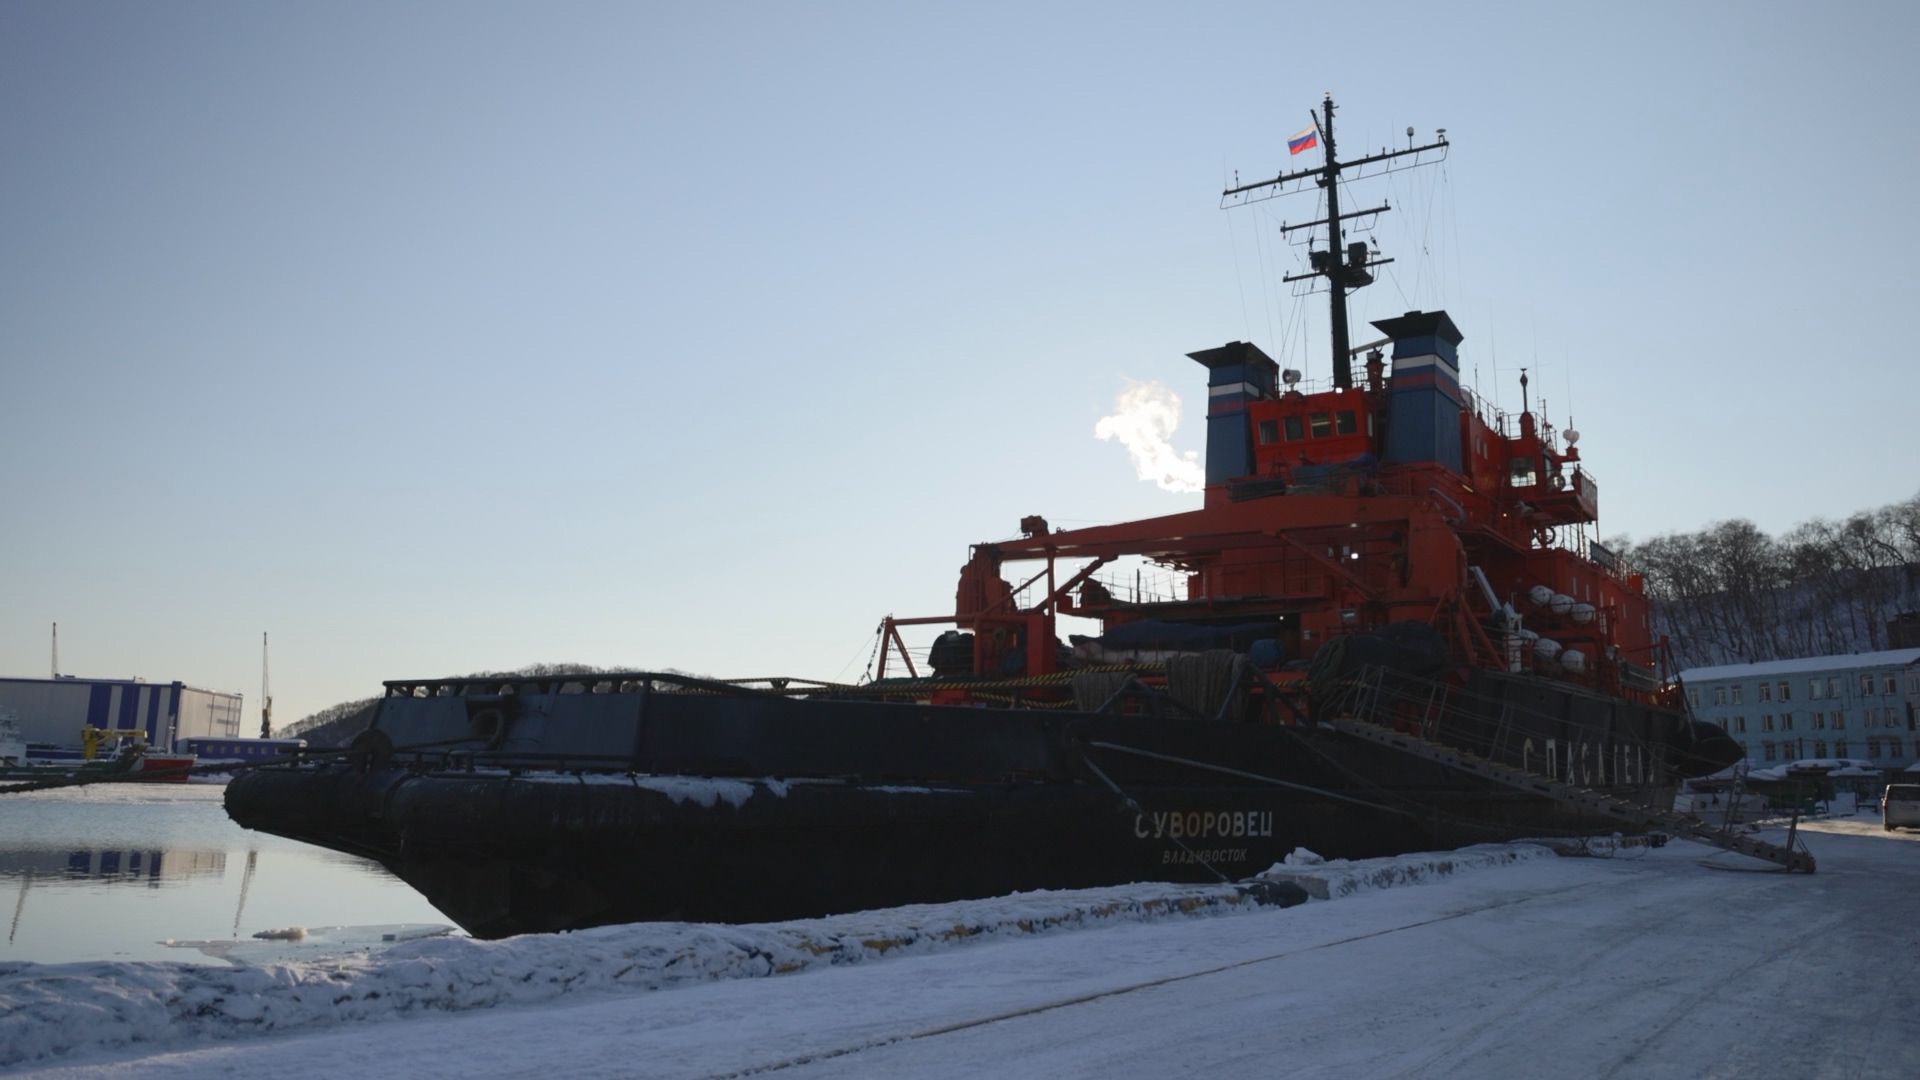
[{"x": 1900, "y": 806}]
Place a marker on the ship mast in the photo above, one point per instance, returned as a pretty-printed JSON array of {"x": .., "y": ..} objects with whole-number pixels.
[{"x": 1345, "y": 266}]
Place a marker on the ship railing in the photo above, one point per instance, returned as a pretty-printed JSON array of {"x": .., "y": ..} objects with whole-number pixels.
[
  {"x": 656, "y": 682},
  {"x": 608, "y": 682},
  {"x": 1143, "y": 586},
  {"x": 1587, "y": 490}
]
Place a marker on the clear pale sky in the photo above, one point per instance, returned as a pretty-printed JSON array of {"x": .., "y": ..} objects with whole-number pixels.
[{"x": 439, "y": 337}]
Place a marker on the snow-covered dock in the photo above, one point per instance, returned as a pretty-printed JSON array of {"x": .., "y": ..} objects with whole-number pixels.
[{"x": 1495, "y": 962}]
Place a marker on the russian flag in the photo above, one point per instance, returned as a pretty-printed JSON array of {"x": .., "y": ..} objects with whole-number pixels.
[{"x": 1305, "y": 139}]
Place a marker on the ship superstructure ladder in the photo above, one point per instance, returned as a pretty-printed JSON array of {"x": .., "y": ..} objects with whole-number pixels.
[{"x": 1584, "y": 799}]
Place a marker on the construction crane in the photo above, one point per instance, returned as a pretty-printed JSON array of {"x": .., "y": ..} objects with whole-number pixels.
[
  {"x": 92, "y": 739},
  {"x": 266, "y": 699}
]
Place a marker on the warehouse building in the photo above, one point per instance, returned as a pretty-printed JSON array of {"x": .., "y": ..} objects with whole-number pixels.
[{"x": 51, "y": 712}]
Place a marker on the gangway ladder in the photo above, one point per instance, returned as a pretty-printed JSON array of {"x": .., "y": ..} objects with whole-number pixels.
[{"x": 1787, "y": 857}]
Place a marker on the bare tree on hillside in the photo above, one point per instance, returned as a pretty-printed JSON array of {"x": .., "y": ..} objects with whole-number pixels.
[{"x": 1731, "y": 594}]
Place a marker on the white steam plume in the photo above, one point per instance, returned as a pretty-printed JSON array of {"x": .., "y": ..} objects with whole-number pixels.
[{"x": 1145, "y": 416}]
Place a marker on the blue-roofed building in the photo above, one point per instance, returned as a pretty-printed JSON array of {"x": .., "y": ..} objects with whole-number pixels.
[
  {"x": 1860, "y": 706},
  {"x": 51, "y": 712}
]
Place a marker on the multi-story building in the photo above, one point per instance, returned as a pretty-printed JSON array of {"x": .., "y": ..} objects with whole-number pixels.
[
  {"x": 51, "y": 712},
  {"x": 1859, "y": 706}
]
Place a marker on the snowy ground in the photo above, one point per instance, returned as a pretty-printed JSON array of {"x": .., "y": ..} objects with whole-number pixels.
[{"x": 1504, "y": 962}]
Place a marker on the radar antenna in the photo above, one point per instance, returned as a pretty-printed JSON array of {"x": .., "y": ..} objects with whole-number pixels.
[{"x": 1346, "y": 267}]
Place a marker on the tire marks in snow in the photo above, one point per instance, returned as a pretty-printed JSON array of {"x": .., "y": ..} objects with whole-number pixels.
[{"x": 1099, "y": 995}]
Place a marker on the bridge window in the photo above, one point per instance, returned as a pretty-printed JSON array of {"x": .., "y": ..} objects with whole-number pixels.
[
  {"x": 1344, "y": 423},
  {"x": 1320, "y": 424},
  {"x": 1294, "y": 430},
  {"x": 1523, "y": 473},
  {"x": 1269, "y": 431}
]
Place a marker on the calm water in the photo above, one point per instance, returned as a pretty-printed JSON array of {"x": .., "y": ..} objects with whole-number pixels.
[{"x": 113, "y": 872}]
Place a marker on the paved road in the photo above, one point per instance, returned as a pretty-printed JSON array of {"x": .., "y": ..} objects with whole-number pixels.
[{"x": 1656, "y": 968}]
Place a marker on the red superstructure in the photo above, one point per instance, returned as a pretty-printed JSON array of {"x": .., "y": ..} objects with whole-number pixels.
[{"x": 1347, "y": 510}]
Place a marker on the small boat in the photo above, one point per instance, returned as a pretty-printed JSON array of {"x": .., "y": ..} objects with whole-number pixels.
[{"x": 104, "y": 754}]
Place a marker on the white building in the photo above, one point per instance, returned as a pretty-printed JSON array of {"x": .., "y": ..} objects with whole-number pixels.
[
  {"x": 51, "y": 712},
  {"x": 1856, "y": 706}
]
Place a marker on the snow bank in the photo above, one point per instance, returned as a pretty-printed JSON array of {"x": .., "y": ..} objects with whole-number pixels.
[
  {"x": 1327, "y": 880},
  {"x": 53, "y": 1009}
]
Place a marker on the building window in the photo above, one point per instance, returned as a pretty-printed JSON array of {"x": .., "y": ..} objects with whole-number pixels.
[
  {"x": 1890, "y": 686},
  {"x": 1819, "y": 721},
  {"x": 1786, "y": 721},
  {"x": 1766, "y": 691},
  {"x": 1840, "y": 748},
  {"x": 1893, "y": 748},
  {"x": 1723, "y": 723},
  {"x": 1873, "y": 747},
  {"x": 1693, "y": 698},
  {"x": 1736, "y": 693},
  {"x": 1833, "y": 686},
  {"x": 1873, "y": 717},
  {"x": 1740, "y": 724},
  {"x": 1269, "y": 431},
  {"x": 1766, "y": 722},
  {"x": 1719, "y": 695},
  {"x": 1766, "y": 748},
  {"x": 1786, "y": 690},
  {"x": 1813, "y": 689},
  {"x": 1840, "y": 719},
  {"x": 1819, "y": 748},
  {"x": 1866, "y": 685}
]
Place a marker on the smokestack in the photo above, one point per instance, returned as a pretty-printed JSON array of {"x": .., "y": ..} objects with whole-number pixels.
[
  {"x": 1423, "y": 398},
  {"x": 1237, "y": 373}
]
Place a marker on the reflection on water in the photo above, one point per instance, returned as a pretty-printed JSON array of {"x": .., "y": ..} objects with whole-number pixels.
[
  {"x": 113, "y": 872},
  {"x": 150, "y": 868}
]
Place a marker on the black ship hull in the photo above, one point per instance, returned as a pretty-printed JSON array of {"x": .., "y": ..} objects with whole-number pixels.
[{"x": 537, "y": 809}]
